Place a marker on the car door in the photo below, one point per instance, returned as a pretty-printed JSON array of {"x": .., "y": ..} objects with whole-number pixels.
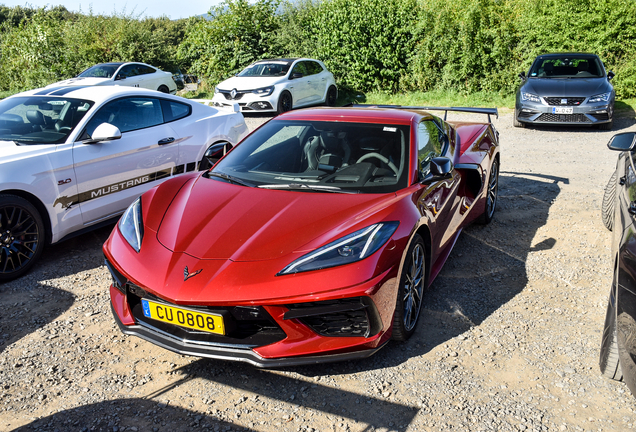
[
  {"x": 111, "y": 174},
  {"x": 299, "y": 84},
  {"x": 317, "y": 83}
]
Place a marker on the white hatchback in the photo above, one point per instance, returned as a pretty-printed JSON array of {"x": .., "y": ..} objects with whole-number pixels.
[
  {"x": 73, "y": 159},
  {"x": 278, "y": 85},
  {"x": 123, "y": 74}
]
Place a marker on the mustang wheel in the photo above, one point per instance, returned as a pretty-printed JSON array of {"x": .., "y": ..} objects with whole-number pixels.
[
  {"x": 332, "y": 96},
  {"x": 491, "y": 194},
  {"x": 609, "y": 198},
  {"x": 21, "y": 236},
  {"x": 163, "y": 89},
  {"x": 410, "y": 291},
  {"x": 284, "y": 102},
  {"x": 609, "y": 361}
]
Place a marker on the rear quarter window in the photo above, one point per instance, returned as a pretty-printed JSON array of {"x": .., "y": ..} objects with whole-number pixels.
[{"x": 174, "y": 110}]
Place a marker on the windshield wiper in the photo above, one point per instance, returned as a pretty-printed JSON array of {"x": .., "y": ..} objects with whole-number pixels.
[
  {"x": 230, "y": 178},
  {"x": 306, "y": 187}
]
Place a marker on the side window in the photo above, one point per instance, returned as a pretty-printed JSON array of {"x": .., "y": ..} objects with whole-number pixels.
[
  {"x": 430, "y": 141},
  {"x": 127, "y": 114},
  {"x": 300, "y": 68},
  {"x": 314, "y": 67},
  {"x": 145, "y": 70},
  {"x": 174, "y": 110},
  {"x": 128, "y": 71}
]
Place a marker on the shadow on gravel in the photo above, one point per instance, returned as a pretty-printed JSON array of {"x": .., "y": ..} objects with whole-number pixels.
[{"x": 626, "y": 120}]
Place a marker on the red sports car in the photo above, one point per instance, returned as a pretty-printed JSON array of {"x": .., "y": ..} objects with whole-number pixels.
[{"x": 312, "y": 240}]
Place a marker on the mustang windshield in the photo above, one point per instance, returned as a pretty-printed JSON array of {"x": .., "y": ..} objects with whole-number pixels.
[
  {"x": 40, "y": 119},
  {"x": 270, "y": 69},
  {"x": 565, "y": 66},
  {"x": 314, "y": 156}
]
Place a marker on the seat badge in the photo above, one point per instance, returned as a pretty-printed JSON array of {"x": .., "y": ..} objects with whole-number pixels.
[
  {"x": 187, "y": 275},
  {"x": 564, "y": 101}
]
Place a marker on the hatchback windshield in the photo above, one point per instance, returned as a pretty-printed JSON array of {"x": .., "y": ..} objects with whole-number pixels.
[
  {"x": 320, "y": 156},
  {"x": 567, "y": 67},
  {"x": 40, "y": 119},
  {"x": 265, "y": 69},
  {"x": 100, "y": 71}
]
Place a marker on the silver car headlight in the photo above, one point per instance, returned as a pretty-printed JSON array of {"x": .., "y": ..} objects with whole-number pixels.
[
  {"x": 348, "y": 249},
  {"x": 131, "y": 225},
  {"x": 265, "y": 91},
  {"x": 530, "y": 97},
  {"x": 599, "y": 98}
]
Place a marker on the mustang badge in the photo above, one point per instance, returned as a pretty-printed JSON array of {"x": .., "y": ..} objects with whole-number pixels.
[{"x": 187, "y": 275}]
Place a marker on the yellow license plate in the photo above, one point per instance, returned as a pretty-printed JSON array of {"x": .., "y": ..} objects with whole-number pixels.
[{"x": 183, "y": 317}]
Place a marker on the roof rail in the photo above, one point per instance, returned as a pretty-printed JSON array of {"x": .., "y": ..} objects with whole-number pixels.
[{"x": 487, "y": 111}]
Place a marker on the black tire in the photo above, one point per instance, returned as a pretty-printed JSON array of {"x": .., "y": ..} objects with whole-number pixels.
[
  {"x": 517, "y": 123},
  {"x": 332, "y": 96},
  {"x": 606, "y": 126},
  {"x": 163, "y": 89},
  {"x": 608, "y": 207},
  {"x": 492, "y": 193},
  {"x": 609, "y": 362},
  {"x": 285, "y": 102},
  {"x": 22, "y": 236},
  {"x": 410, "y": 291}
]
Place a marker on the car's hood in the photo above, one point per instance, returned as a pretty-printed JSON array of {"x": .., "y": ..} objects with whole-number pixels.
[
  {"x": 80, "y": 81},
  {"x": 249, "y": 83},
  {"x": 10, "y": 151},
  {"x": 574, "y": 87},
  {"x": 210, "y": 219}
]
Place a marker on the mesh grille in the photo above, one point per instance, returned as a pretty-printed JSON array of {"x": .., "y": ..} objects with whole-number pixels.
[
  {"x": 601, "y": 117},
  {"x": 228, "y": 96},
  {"x": 571, "y": 101},
  {"x": 563, "y": 118}
]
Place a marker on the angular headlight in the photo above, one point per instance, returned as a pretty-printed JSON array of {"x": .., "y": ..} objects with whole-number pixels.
[
  {"x": 348, "y": 249},
  {"x": 600, "y": 98},
  {"x": 131, "y": 225},
  {"x": 530, "y": 97},
  {"x": 265, "y": 91}
]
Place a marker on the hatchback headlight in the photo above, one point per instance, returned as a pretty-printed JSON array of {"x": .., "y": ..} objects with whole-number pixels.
[
  {"x": 600, "y": 98},
  {"x": 131, "y": 225},
  {"x": 348, "y": 249},
  {"x": 530, "y": 97},
  {"x": 265, "y": 91}
]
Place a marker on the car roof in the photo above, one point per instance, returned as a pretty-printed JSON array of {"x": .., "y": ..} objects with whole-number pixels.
[
  {"x": 356, "y": 115},
  {"x": 93, "y": 93}
]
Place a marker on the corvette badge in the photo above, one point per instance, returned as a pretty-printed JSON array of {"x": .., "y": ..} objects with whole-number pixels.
[{"x": 187, "y": 275}]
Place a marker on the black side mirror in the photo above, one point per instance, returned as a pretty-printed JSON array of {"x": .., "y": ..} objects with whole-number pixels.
[
  {"x": 120, "y": 77},
  {"x": 610, "y": 75},
  {"x": 522, "y": 75},
  {"x": 622, "y": 142},
  {"x": 296, "y": 75},
  {"x": 213, "y": 154}
]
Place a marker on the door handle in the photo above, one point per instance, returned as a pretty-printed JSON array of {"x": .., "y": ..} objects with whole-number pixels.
[{"x": 166, "y": 141}]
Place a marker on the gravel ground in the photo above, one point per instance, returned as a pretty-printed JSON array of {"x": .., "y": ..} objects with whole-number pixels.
[{"x": 508, "y": 340}]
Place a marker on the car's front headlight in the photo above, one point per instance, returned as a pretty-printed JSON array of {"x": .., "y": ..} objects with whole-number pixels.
[
  {"x": 265, "y": 91},
  {"x": 530, "y": 97},
  {"x": 216, "y": 90},
  {"x": 348, "y": 249},
  {"x": 599, "y": 98},
  {"x": 131, "y": 225}
]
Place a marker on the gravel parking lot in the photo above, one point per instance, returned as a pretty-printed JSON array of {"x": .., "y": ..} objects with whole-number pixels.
[{"x": 508, "y": 341}]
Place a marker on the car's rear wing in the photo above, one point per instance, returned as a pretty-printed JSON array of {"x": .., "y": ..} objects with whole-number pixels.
[{"x": 487, "y": 111}]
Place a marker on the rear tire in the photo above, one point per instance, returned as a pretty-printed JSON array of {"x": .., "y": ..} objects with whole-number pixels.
[
  {"x": 609, "y": 361},
  {"x": 410, "y": 291},
  {"x": 332, "y": 96},
  {"x": 22, "y": 236},
  {"x": 608, "y": 206},
  {"x": 491, "y": 194},
  {"x": 163, "y": 89}
]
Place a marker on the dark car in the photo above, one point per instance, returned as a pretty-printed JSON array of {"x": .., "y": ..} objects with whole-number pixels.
[
  {"x": 565, "y": 89},
  {"x": 618, "y": 346}
]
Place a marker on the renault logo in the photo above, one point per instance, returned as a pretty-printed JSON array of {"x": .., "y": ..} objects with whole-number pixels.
[{"x": 233, "y": 93}]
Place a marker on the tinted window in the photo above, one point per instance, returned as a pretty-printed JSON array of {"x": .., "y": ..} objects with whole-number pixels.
[
  {"x": 128, "y": 71},
  {"x": 299, "y": 68},
  {"x": 430, "y": 140},
  {"x": 567, "y": 66},
  {"x": 145, "y": 70},
  {"x": 313, "y": 67},
  {"x": 127, "y": 114},
  {"x": 174, "y": 110},
  {"x": 265, "y": 69},
  {"x": 99, "y": 71}
]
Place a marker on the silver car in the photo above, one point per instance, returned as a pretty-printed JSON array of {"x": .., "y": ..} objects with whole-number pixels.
[{"x": 566, "y": 89}]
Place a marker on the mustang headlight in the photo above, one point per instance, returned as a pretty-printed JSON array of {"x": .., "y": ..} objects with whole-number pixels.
[
  {"x": 131, "y": 225},
  {"x": 600, "y": 98},
  {"x": 348, "y": 249},
  {"x": 530, "y": 97},
  {"x": 265, "y": 91}
]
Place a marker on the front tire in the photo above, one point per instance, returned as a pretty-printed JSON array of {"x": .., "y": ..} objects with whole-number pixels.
[
  {"x": 606, "y": 126},
  {"x": 285, "y": 102},
  {"x": 609, "y": 362},
  {"x": 491, "y": 194},
  {"x": 410, "y": 291},
  {"x": 516, "y": 123},
  {"x": 21, "y": 236},
  {"x": 608, "y": 207}
]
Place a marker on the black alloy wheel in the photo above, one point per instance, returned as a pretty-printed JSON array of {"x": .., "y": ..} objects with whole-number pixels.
[
  {"x": 332, "y": 96},
  {"x": 285, "y": 102},
  {"x": 491, "y": 193},
  {"x": 609, "y": 361},
  {"x": 21, "y": 236},
  {"x": 410, "y": 291}
]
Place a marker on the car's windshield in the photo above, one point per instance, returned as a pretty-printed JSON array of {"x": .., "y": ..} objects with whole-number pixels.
[
  {"x": 567, "y": 66},
  {"x": 269, "y": 69},
  {"x": 40, "y": 119},
  {"x": 322, "y": 156},
  {"x": 100, "y": 71}
]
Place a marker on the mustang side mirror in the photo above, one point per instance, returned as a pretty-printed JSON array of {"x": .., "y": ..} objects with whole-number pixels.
[
  {"x": 104, "y": 132},
  {"x": 623, "y": 141},
  {"x": 610, "y": 75},
  {"x": 213, "y": 154},
  {"x": 522, "y": 75}
]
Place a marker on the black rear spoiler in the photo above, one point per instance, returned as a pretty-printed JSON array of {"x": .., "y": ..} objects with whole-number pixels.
[{"x": 487, "y": 111}]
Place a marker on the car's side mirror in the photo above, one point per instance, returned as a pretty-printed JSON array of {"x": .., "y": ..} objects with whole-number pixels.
[
  {"x": 104, "y": 132},
  {"x": 625, "y": 141},
  {"x": 522, "y": 75},
  {"x": 440, "y": 168},
  {"x": 213, "y": 154},
  {"x": 296, "y": 75},
  {"x": 610, "y": 75},
  {"x": 120, "y": 77}
]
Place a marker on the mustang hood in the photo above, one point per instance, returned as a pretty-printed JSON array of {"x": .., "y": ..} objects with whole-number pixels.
[
  {"x": 80, "y": 81},
  {"x": 215, "y": 220},
  {"x": 10, "y": 151},
  {"x": 248, "y": 83},
  {"x": 574, "y": 87}
]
